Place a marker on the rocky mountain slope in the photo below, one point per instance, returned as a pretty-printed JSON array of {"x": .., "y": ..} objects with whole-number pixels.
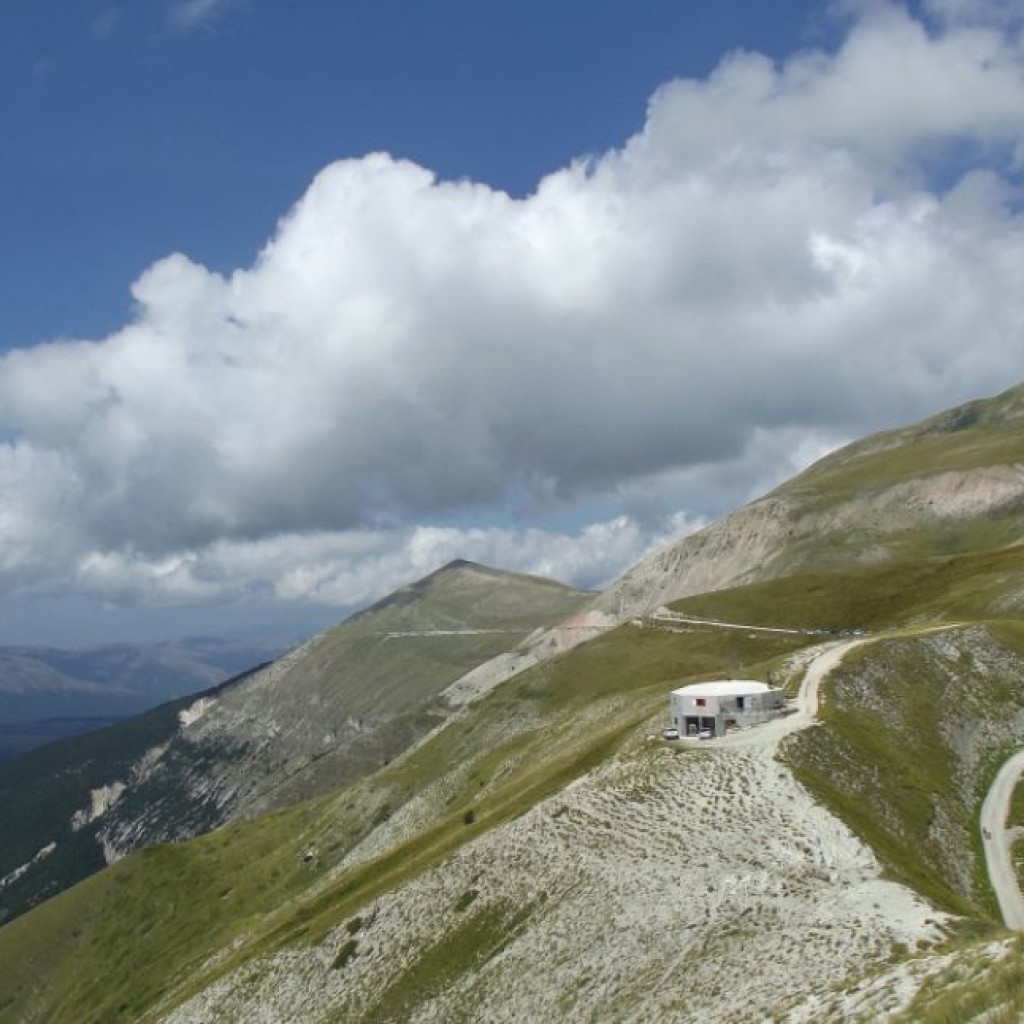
[
  {"x": 327, "y": 712},
  {"x": 541, "y": 851},
  {"x": 952, "y": 482}
]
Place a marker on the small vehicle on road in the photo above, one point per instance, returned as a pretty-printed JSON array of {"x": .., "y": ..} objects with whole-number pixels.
[
  {"x": 671, "y": 733},
  {"x": 705, "y": 734},
  {"x": 985, "y": 832}
]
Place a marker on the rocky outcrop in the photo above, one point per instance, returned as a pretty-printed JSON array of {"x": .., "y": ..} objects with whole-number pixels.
[
  {"x": 733, "y": 550},
  {"x": 798, "y": 529},
  {"x": 100, "y": 801}
]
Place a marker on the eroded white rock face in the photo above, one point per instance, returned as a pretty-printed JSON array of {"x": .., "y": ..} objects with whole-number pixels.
[
  {"x": 195, "y": 711},
  {"x": 100, "y": 801},
  {"x": 720, "y": 555},
  {"x": 142, "y": 768},
  {"x": 757, "y": 541},
  {"x": 13, "y": 876},
  {"x": 644, "y": 891}
]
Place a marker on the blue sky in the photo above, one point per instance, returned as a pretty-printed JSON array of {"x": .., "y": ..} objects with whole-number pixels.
[
  {"x": 128, "y": 135},
  {"x": 610, "y": 271}
]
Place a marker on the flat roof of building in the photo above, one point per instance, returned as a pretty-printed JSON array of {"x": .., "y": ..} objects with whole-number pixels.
[{"x": 723, "y": 688}]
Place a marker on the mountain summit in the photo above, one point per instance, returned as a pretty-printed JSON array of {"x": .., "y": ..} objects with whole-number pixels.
[
  {"x": 477, "y": 815},
  {"x": 322, "y": 715}
]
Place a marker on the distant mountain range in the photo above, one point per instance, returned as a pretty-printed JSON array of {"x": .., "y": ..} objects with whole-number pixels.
[
  {"x": 458, "y": 805},
  {"x": 46, "y": 692},
  {"x": 17, "y": 738},
  {"x": 326, "y": 713}
]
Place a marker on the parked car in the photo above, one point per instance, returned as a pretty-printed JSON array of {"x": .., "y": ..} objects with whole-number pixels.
[
  {"x": 705, "y": 734},
  {"x": 671, "y": 733}
]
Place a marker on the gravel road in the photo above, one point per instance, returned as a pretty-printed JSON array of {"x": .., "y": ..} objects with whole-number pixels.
[{"x": 997, "y": 848}]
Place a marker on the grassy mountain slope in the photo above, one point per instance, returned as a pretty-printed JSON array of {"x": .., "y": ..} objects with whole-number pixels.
[
  {"x": 951, "y": 484},
  {"x": 579, "y": 718},
  {"x": 326, "y": 713},
  {"x": 522, "y": 743},
  {"x": 41, "y": 792},
  {"x": 339, "y": 706},
  {"x": 503, "y": 755},
  {"x": 537, "y": 855}
]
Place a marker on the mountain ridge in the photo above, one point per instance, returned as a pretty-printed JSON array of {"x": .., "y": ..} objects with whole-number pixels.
[
  {"x": 280, "y": 732},
  {"x": 116, "y": 680},
  {"x": 983, "y": 475},
  {"x": 461, "y": 877}
]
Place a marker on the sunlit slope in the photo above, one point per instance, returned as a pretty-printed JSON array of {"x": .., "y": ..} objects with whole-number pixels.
[
  {"x": 159, "y": 914},
  {"x": 466, "y": 871},
  {"x": 347, "y": 701},
  {"x": 952, "y": 483},
  {"x": 326, "y": 713},
  {"x": 291, "y": 881}
]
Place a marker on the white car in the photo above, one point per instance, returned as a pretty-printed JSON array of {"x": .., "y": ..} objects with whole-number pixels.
[
  {"x": 705, "y": 734},
  {"x": 671, "y": 733}
]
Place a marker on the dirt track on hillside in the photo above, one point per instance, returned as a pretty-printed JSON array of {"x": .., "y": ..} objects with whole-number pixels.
[
  {"x": 659, "y": 865},
  {"x": 998, "y": 858}
]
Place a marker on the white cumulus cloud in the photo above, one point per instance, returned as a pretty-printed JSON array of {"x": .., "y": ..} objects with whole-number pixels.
[{"x": 785, "y": 256}]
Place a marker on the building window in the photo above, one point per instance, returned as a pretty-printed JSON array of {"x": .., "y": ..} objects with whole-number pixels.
[{"x": 700, "y": 702}]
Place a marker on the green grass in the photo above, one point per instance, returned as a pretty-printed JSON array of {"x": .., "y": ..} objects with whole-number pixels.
[
  {"x": 945, "y": 588},
  {"x": 889, "y": 758},
  {"x": 110, "y": 946},
  {"x": 1015, "y": 819},
  {"x": 115, "y": 945},
  {"x": 42, "y": 790},
  {"x": 974, "y": 989},
  {"x": 1016, "y": 815},
  {"x": 476, "y": 938}
]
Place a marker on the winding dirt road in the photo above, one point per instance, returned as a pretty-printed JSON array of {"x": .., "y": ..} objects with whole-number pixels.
[
  {"x": 770, "y": 733},
  {"x": 994, "y": 812},
  {"x": 997, "y": 839}
]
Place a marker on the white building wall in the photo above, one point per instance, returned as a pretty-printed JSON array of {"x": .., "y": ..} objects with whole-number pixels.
[{"x": 757, "y": 707}]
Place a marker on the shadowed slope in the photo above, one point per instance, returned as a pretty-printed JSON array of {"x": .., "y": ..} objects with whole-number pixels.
[{"x": 328, "y": 712}]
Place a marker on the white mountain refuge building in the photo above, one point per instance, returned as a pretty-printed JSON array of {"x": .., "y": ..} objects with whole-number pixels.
[{"x": 721, "y": 704}]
